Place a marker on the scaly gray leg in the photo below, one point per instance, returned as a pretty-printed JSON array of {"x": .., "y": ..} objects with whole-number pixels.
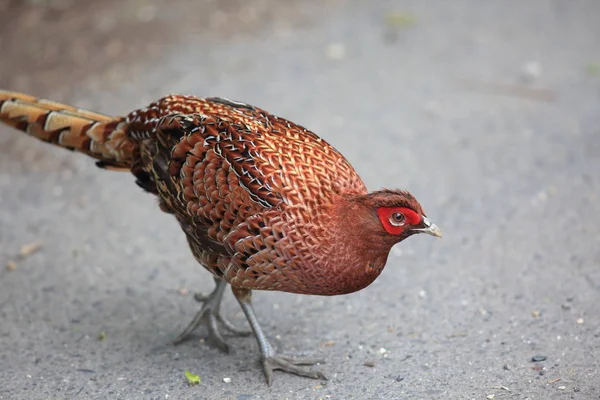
[
  {"x": 269, "y": 357},
  {"x": 210, "y": 314}
]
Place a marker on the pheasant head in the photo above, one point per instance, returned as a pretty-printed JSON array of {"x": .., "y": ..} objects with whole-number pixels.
[
  {"x": 368, "y": 225},
  {"x": 393, "y": 215}
]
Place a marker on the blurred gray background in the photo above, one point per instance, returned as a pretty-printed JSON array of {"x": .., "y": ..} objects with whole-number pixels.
[{"x": 487, "y": 111}]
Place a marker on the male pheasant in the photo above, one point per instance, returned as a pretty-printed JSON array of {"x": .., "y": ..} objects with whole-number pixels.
[{"x": 265, "y": 204}]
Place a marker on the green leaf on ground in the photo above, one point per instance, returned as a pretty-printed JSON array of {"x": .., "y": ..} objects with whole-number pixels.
[
  {"x": 192, "y": 379},
  {"x": 593, "y": 69},
  {"x": 399, "y": 19}
]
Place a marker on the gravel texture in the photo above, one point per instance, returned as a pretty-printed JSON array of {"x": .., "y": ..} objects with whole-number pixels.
[{"x": 486, "y": 111}]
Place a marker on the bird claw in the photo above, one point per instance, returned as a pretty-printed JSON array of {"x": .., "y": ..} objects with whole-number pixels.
[
  {"x": 205, "y": 316},
  {"x": 210, "y": 315},
  {"x": 292, "y": 365},
  {"x": 234, "y": 330},
  {"x": 203, "y": 298}
]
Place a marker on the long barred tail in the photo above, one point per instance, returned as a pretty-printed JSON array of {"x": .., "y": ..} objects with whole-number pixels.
[{"x": 100, "y": 136}]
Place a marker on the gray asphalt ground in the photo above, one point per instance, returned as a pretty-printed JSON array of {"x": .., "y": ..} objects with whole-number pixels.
[{"x": 487, "y": 111}]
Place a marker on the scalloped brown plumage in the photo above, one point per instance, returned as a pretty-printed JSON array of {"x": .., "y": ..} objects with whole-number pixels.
[{"x": 265, "y": 203}]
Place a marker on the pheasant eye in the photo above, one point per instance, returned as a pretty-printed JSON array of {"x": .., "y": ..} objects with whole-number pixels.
[{"x": 397, "y": 218}]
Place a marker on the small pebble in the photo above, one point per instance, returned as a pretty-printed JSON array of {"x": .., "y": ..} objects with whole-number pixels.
[
  {"x": 227, "y": 380},
  {"x": 11, "y": 265},
  {"x": 335, "y": 51},
  {"x": 490, "y": 396},
  {"x": 538, "y": 358},
  {"x": 542, "y": 196},
  {"x": 580, "y": 321},
  {"x": 561, "y": 387},
  {"x": 535, "y": 314},
  {"x": 369, "y": 364},
  {"x": 531, "y": 71},
  {"x": 382, "y": 351}
]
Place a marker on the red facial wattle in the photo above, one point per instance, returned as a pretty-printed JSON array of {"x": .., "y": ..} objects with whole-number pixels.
[{"x": 411, "y": 219}]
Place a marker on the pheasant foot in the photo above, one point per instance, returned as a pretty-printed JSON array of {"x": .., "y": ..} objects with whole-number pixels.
[
  {"x": 269, "y": 358},
  {"x": 210, "y": 315}
]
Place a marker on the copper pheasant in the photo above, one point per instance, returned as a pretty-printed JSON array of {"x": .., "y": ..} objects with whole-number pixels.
[{"x": 265, "y": 204}]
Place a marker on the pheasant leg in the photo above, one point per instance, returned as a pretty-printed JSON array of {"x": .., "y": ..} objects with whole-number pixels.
[
  {"x": 210, "y": 314},
  {"x": 269, "y": 358}
]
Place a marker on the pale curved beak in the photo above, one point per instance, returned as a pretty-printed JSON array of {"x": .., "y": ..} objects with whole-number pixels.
[{"x": 430, "y": 228}]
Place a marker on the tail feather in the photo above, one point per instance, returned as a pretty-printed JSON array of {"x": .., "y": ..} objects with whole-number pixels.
[{"x": 100, "y": 136}]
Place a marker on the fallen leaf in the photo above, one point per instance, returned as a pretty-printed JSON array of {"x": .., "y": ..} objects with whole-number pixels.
[
  {"x": 457, "y": 334},
  {"x": 369, "y": 364},
  {"x": 592, "y": 69},
  {"x": 192, "y": 379},
  {"x": 398, "y": 19},
  {"x": 28, "y": 249}
]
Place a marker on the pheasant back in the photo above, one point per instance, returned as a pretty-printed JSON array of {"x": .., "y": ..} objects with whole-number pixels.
[{"x": 252, "y": 191}]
